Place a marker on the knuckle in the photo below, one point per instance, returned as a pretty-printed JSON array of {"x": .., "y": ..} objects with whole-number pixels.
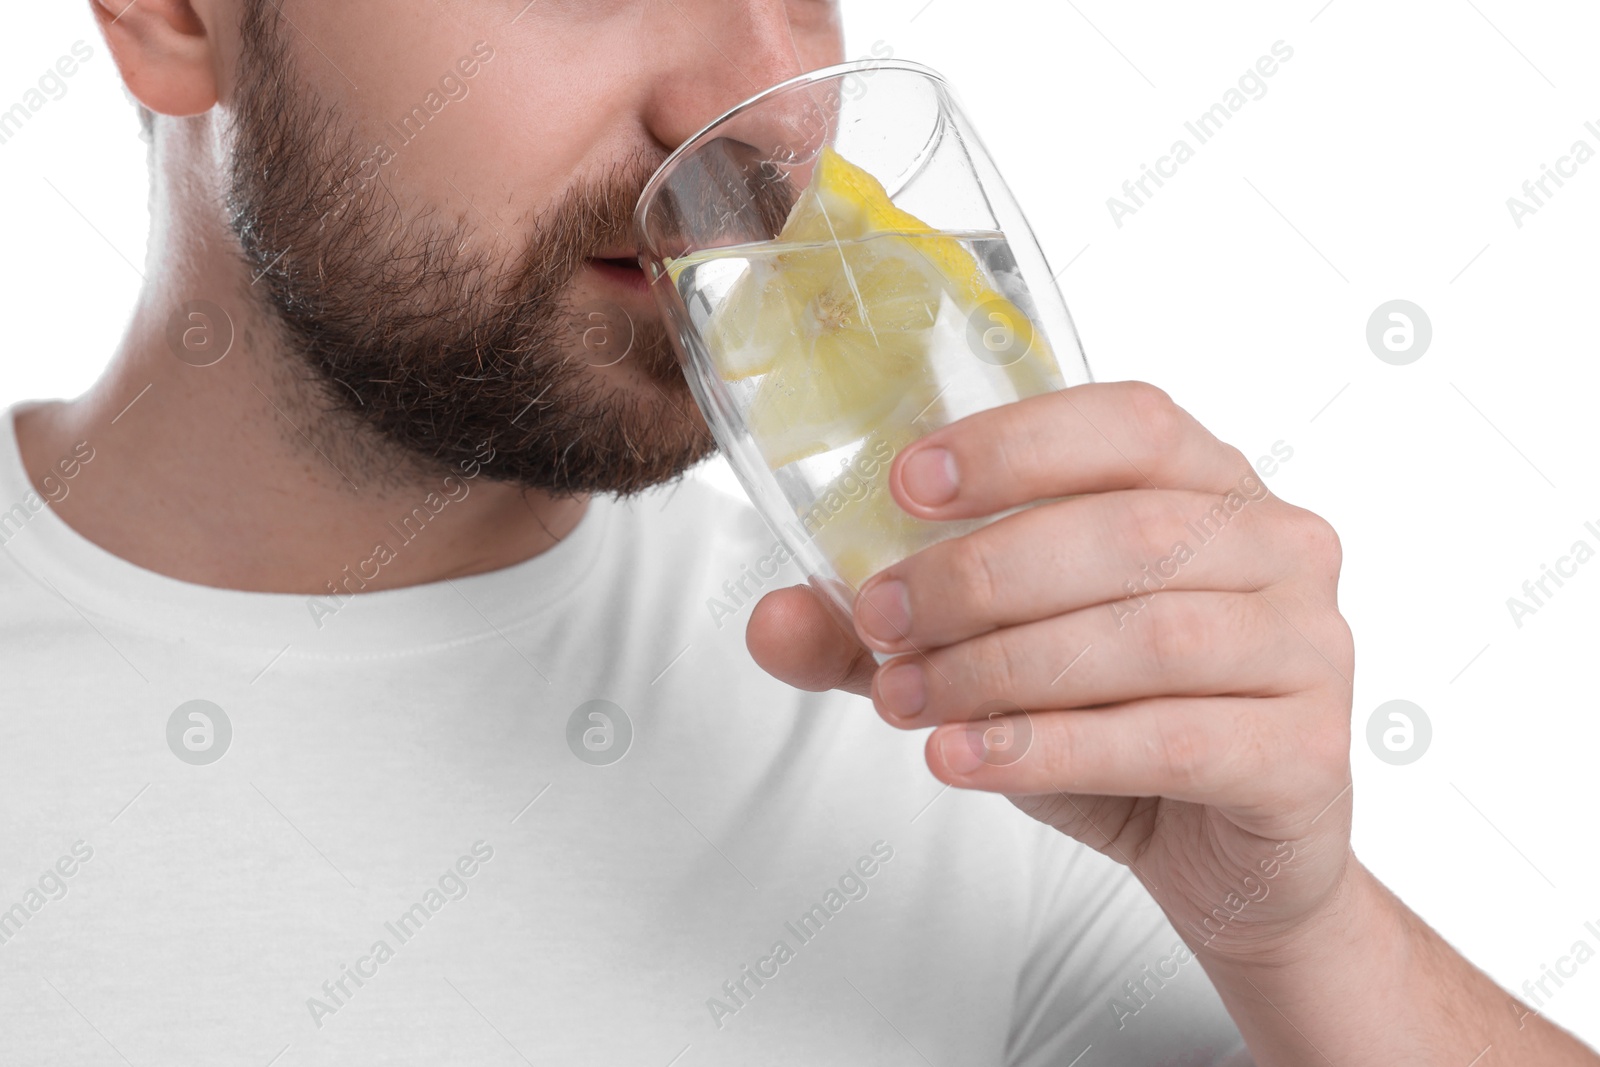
[
  {"x": 1236, "y": 460},
  {"x": 1175, "y": 635},
  {"x": 1158, "y": 419},
  {"x": 1337, "y": 643},
  {"x": 1143, "y": 395},
  {"x": 1316, "y": 543},
  {"x": 971, "y": 572},
  {"x": 1150, "y": 523},
  {"x": 1015, "y": 454},
  {"x": 1343, "y": 640},
  {"x": 1321, "y": 754},
  {"x": 1329, "y": 746},
  {"x": 1186, "y": 753},
  {"x": 1315, "y": 651},
  {"x": 995, "y": 667}
]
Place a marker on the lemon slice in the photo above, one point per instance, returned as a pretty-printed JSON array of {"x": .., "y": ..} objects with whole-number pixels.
[
  {"x": 843, "y": 201},
  {"x": 861, "y": 315},
  {"x": 836, "y": 321}
]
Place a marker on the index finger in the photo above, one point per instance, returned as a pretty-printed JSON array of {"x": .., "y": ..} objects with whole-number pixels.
[{"x": 1087, "y": 439}]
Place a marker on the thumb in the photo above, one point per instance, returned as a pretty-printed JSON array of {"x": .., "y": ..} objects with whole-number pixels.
[{"x": 793, "y": 637}]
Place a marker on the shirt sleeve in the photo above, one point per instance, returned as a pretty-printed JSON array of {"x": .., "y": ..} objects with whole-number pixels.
[{"x": 1106, "y": 979}]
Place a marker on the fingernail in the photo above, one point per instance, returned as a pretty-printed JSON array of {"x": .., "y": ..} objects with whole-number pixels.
[
  {"x": 884, "y": 613},
  {"x": 902, "y": 691},
  {"x": 929, "y": 477},
  {"x": 962, "y": 749}
]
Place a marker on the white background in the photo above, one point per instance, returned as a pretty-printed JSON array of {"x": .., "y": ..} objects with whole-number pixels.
[{"x": 1376, "y": 167}]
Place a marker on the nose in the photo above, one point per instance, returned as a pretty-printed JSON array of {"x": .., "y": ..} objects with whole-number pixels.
[{"x": 715, "y": 53}]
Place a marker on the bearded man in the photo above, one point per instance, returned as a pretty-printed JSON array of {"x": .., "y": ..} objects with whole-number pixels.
[{"x": 364, "y": 706}]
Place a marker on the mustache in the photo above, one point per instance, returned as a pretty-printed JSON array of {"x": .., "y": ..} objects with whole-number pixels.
[{"x": 593, "y": 216}]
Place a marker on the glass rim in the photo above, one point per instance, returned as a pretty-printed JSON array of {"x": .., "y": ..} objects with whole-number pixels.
[{"x": 821, "y": 74}]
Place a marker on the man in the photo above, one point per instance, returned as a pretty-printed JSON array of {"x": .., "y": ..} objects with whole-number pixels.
[{"x": 367, "y": 707}]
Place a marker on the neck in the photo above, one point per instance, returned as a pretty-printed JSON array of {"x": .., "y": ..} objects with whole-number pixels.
[{"x": 239, "y": 474}]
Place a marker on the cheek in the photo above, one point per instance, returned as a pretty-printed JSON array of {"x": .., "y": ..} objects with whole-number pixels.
[
  {"x": 818, "y": 36},
  {"x": 546, "y": 106},
  {"x": 539, "y": 111},
  {"x": 544, "y": 109}
]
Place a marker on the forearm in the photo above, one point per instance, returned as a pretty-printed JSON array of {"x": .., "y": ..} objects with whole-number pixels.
[{"x": 1370, "y": 984}]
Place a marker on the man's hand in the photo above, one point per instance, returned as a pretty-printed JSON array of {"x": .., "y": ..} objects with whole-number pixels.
[{"x": 1157, "y": 668}]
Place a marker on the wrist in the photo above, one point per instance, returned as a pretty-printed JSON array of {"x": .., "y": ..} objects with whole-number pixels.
[
  {"x": 1353, "y": 918},
  {"x": 1318, "y": 983}
]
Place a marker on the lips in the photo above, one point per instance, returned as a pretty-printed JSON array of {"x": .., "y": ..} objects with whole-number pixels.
[
  {"x": 623, "y": 270},
  {"x": 623, "y": 265},
  {"x": 667, "y": 248}
]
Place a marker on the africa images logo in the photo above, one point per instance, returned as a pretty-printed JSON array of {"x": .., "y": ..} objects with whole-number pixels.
[
  {"x": 852, "y": 885},
  {"x": 51, "y": 85},
  {"x": 450, "y": 886}
]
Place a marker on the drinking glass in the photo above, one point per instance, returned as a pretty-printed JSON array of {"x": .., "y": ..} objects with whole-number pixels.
[{"x": 843, "y": 270}]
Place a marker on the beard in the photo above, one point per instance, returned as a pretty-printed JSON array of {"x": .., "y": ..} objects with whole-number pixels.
[{"x": 435, "y": 355}]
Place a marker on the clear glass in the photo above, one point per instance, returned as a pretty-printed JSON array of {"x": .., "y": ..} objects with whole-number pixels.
[{"x": 843, "y": 271}]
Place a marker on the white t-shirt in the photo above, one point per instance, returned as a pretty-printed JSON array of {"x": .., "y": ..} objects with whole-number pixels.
[{"x": 418, "y": 845}]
